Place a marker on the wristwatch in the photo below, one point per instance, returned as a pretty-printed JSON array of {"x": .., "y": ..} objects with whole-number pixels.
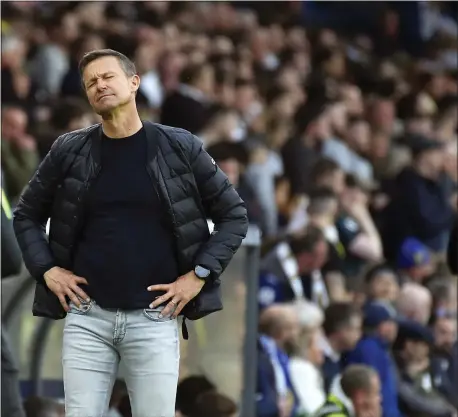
[{"x": 201, "y": 272}]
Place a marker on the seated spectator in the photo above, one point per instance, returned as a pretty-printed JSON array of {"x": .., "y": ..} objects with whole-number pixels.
[
  {"x": 420, "y": 382},
  {"x": 342, "y": 330},
  {"x": 279, "y": 332},
  {"x": 188, "y": 390},
  {"x": 291, "y": 270},
  {"x": 380, "y": 331},
  {"x": 306, "y": 360},
  {"x": 214, "y": 404},
  {"x": 382, "y": 284},
  {"x": 414, "y": 303},
  {"x": 358, "y": 395},
  {"x": 414, "y": 261}
]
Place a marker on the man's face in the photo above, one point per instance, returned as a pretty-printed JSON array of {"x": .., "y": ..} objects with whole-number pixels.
[
  {"x": 107, "y": 85},
  {"x": 384, "y": 287},
  {"x": 308, "y": 262},
  {"x": 14, "y": 123},
  {"x": 368, "y": 402},
  {"x": 416, "y": 350},
  {"x": 445, "y": 333},
  {"x": 351, "y": 334}
]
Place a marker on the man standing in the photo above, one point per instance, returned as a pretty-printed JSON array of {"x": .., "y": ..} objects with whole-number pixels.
[{"x": 129, "y": 247}]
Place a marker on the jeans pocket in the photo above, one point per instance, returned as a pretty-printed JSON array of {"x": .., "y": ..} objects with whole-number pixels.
[
  {"x": 83, "y": 309},
  {"x": 154, "y": 313}
]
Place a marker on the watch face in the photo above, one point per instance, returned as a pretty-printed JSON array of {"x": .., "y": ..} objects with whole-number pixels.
[{"x": 201, "y": 272}]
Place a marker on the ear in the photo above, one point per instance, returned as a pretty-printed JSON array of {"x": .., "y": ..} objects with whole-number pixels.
[{"x": 135, "y": 83}]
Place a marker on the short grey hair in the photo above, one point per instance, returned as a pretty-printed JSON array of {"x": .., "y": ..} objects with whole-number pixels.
[
  {"x": 126, "y": 64},
  {"x": 357, "y": 378}
]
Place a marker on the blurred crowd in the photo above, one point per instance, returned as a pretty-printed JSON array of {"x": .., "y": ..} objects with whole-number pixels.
[{"x": 340, "y": 138}]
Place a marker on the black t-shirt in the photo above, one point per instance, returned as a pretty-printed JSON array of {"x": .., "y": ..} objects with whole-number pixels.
[{"x": 126, "y": 243}]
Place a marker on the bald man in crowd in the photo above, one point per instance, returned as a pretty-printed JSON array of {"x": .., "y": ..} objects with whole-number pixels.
[{"x": 415, "y": 302}]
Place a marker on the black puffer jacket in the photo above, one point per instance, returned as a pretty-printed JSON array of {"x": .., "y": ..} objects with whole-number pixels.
[{"x": 187, "y": 180}]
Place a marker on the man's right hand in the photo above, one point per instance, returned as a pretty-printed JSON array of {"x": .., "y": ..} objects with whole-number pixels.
[{"x": 64, "y": 283}]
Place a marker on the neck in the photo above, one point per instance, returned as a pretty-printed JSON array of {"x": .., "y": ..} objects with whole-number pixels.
[{"x": 121, "y": 123}]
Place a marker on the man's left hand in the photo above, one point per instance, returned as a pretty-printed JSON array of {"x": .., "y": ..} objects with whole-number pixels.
[{"x": 181, "y": 292}]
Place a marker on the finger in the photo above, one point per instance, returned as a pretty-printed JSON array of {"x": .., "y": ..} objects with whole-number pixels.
[
  {"x": 179, "y": 308},
  {"x": 170, "y": 307},
  {"x": 80, "y": 280},
  {"x": 73, "y": 298},
  {"x": 63, "y": 301},
  {"x": 159, "y": 287},
  {"x": 80, "y": 293},
  {"x": 162, "y": 299}
]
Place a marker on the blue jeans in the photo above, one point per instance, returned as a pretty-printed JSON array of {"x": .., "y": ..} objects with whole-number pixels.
[{"x": 96, "y": 340}]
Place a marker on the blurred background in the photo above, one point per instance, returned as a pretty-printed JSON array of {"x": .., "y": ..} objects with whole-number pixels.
[{"x": 337, "y": 123}]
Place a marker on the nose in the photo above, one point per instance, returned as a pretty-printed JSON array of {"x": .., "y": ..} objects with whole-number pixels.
[{"x": 101, "y": 85}]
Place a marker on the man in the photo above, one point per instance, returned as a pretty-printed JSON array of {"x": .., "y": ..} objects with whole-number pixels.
[
  {"x": 359, "y": 395},
  {"x": 420, "y": 205},
  {"x": 233, "y": 159},
  {"x": 129, "y": 245},
  {"x": 189, "y": 106},
  {"x": 279, "y": 331},
  {"x": 342, "y": 330},
  {"x": 291, "y": 270},
  {"x": 414, "y": 261},
  {"x": 380, "y": 331},
  {"x": 414, "y": 302},
  {"x": 19, "y": 151},
  {"x": 423, "y": 384}
]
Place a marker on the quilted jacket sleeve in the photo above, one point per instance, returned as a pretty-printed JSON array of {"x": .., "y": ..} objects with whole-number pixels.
[
  {"x": 33, "y": 211},
  {"x": 224, "y": 207}
]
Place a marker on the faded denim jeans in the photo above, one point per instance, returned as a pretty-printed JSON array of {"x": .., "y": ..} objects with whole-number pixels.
[{"x": 96, "y": 340}]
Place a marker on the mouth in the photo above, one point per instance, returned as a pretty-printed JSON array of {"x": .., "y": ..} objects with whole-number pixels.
[{"x": 104, "y": 96}]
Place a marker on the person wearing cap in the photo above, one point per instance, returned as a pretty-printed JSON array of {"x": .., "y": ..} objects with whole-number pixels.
[
  {"x": 380, "y": 331},
  {"x": 414, "y": 261},
  {"x": 420, "y": 204},
  {"x": 420, "y": 380}
]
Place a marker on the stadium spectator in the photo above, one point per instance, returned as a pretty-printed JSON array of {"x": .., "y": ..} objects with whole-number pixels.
[
  {"x": 380, "y": 331},
  {"x": 358, "y": 395},
  {"x": 342, "y": 330}
]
